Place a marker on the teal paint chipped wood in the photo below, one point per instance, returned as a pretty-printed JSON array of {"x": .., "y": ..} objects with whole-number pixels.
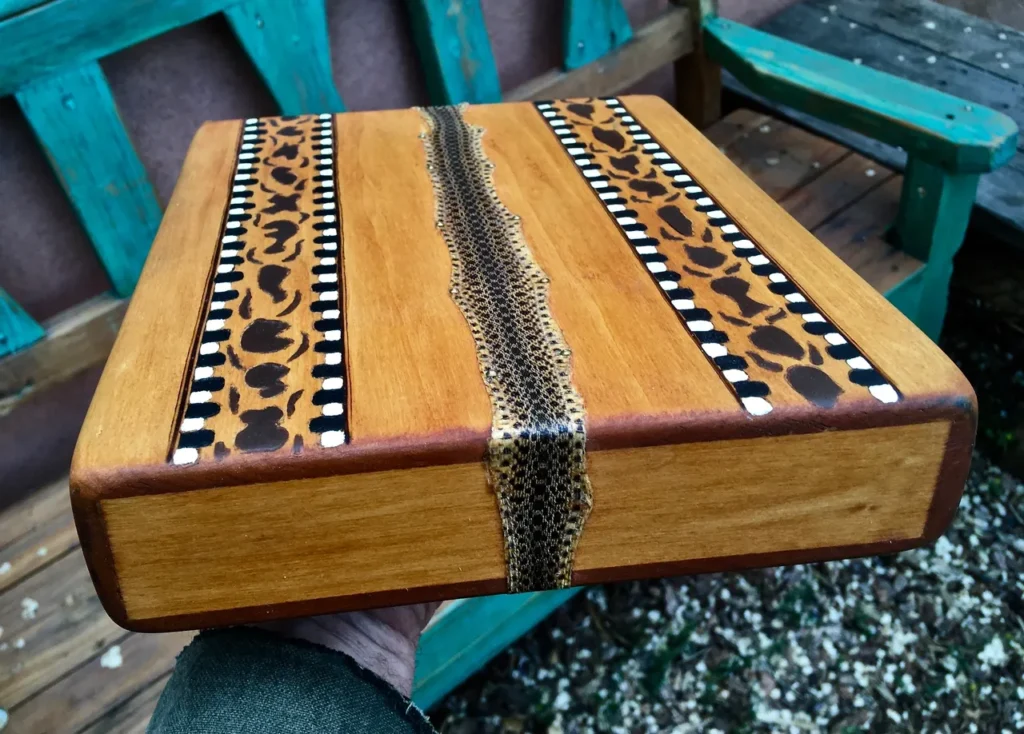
[
  {"x": 74, "y": 117},
  {"x": 62, "y": 33},
  {"x": 288, "y": 44},
  {"x": 591, "y": 29},
  {"x": 930, "y": 125},
  {"x": 452, "y": 41},
  {"x": 17, "y": 329},
  {"x": 469, "y": 632},
  {"x": 935, "y": 207}
]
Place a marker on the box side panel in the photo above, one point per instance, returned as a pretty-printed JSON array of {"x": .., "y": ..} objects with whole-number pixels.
[{"x": 313, "y": 546}]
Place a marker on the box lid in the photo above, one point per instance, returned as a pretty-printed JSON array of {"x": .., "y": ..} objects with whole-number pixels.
[{"x": 566, "y": 304}]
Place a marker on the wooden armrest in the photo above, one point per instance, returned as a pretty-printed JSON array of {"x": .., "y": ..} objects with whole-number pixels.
[{"x": 938, "y": 128}]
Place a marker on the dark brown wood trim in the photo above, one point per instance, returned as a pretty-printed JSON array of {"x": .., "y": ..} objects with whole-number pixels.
[
  {"x": 956, "y": 465},
  {"x": 311, "y": 607},
  {"x": 99, "y": 558},
  {"x": 465, "y": 446},
  {"x": 744, "y": 562}
]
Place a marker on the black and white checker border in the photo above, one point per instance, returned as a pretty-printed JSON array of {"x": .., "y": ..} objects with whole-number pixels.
[
  {"x": 753, "y": 394},
  {"x": 201, "y": 403},
  {"x": 332, "y": 423}
]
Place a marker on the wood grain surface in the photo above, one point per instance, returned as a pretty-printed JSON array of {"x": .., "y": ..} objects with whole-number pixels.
[
  {"x": 120, "y": 430},
  {"x": 402, "y": 511},
  {"x": 411, "y": 358},
  {"x": 345, "y": 548}
]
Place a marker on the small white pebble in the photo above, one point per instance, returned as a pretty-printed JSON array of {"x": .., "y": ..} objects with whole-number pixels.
[
  {"x": 994, "y": 653},
  {"x": 1002, "y": 36},
  {"x": 901, "y": 57},
  {"x": 5, "y": 567},
  {"x": 562, "y": 701},
  {"x": 112, "y": 658},
  {"x": 833, "y": 8},
  {"x": 29, "y": 607},
  {"x": 870, "y": 173},
  {"x": 42, "y": 551},
  {"x": 1005, "y": 65},
  {"x": 19, "y": 643},
  {"x": 853, "y": 25},
  {"x": 824, "y": 19},
  {"x": 999, "y": 54},
  {"x": 931, "y": 59},
  {"x": 69, "y": 600},
  {"x": 967, "y": 29},
  {"x": 930, "y": 25},
  {"x": 765, "y": 128},
  {"x": 772, "y": 161}
]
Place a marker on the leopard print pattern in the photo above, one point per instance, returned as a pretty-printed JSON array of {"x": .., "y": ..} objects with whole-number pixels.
[
  {"x": 267, "y": 373},
  {"x": 760, "y": 331}
]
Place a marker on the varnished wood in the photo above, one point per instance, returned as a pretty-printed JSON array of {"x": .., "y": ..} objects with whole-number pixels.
[
  {"x": 271, "y": 533},
  {"x": 618, "y": 368},
  {"x": 153, "y": 327},
  {"x": 898, "y": 346},
  {"x": 771, "y": 495},
  {"x": 424, "y": 341}
]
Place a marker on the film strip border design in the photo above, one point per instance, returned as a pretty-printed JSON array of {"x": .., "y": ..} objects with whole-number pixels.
[
  {"x": 271, "y": 169},
  {"x": 753, "y": 395}
]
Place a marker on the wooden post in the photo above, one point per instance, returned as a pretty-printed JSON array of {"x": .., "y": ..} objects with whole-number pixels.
[
  {"x": 698, "y": 78},
  {"x": 73, "y": 115},
  {"x": 17, "y": 328},
  {"x": 935, "y": 207},
  {"x": 591, "y": 29},
  {"x": 456, "y": 53},
  {"x": 288, "y": 44}
]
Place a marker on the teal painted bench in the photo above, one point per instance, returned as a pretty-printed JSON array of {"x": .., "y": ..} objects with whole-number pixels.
[{"x": 49, "y": 63}]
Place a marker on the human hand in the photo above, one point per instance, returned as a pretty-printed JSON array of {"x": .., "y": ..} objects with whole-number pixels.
[{"x": 381, "y": 640}]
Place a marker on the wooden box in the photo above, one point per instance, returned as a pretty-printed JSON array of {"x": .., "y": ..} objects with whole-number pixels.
[{"x": 385, "y": 357}]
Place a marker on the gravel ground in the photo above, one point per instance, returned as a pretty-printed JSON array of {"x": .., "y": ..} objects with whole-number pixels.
[{"x": 931, "y": 640}]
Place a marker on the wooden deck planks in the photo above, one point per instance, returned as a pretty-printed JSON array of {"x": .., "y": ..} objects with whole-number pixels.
[
  {"x": 53, "y": 622},
  {"x": 893, "y": 37},
  {"x": 56, "y": 682},
  {"x": 93, "y": 690},
  {"x": 132, "y": 716}
]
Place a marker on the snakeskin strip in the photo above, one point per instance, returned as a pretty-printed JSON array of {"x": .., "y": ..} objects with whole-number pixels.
[{"x": 536, "y": 453}]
